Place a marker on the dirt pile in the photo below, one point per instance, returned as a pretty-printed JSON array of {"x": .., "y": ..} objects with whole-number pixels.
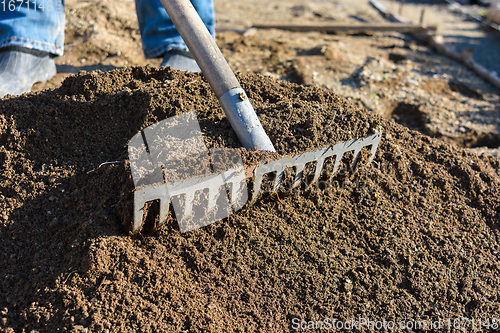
[{"x": 413, "y": 237}]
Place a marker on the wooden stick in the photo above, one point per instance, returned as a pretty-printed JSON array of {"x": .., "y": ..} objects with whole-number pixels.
[
  {"x": 485, "y": 22},
  {"x": 437, "y": 43},
  {"x": 466, "y": 58},
  {"x": 393, "y": 17},
  {"x": 422, "y": 14},
  {"x": 342, "y": 27}
]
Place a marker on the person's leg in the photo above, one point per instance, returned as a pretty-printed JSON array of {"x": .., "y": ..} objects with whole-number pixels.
[
  {"x": 31, "y": 34},
  {"x": 40, "y": 28},
  {"x": 160, "y": 37}
]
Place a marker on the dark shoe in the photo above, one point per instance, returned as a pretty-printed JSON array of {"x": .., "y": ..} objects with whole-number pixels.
[
  {"x": 19, "y": 70},
  {"x": 180, "y": 59}
]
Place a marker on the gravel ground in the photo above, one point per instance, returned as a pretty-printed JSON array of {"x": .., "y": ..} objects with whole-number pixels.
[{"x": 386, "y": 73}]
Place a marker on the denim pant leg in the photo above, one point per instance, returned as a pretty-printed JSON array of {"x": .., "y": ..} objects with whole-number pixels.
[
  {"x": 40, "y": 28},
  {"x": 157, "y": 30}
]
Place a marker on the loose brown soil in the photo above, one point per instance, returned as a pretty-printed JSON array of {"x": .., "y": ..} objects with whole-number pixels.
[
  {"x": 418, "y": 241},
  {"x": 414, "y": 236}
]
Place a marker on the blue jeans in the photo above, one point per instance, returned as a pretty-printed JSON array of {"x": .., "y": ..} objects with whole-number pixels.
[
  {"x": 157, "y": 30},
  {"x": 43, "y": 29}
]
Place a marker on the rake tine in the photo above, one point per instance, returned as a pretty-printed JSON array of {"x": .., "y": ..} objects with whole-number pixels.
[
  {"x": 212, "y": 198},
  {"x": 317, "y": 156},
  {"x": 317, "y": 172},
  {"x": 141, "y": 196},
  {"x": 299, "y": 172},
  {"x": 259, "y": 172},
  {"x": 164, "y": 207},
  {"x": 229, "y": 164},
  {"x": 355, "y": 160},
  {"x": 336, "y": 166},
  {"x": 279, "y": 177},
  {"x": 374, "y": 148},
  {"x": 236, "y": 177},
  {"x": 188, "y": 206}
]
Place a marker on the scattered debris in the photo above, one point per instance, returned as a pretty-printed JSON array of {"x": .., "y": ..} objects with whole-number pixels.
[
  {"x": 345, "y": 27},
  {"x": 489, "y": 21},
  {"x": 397, "y": 57},
  {"x": 436, "y": 42},
  {"x": 464, "y": 90}
]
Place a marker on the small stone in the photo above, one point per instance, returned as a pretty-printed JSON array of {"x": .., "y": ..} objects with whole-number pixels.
[{"x": 80, "y": 329}]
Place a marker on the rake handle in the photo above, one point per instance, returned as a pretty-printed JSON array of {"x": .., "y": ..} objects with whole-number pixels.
[{"x": 221, "y": 78}]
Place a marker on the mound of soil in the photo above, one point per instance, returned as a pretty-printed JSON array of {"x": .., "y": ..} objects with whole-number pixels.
[{"x": 417, "y": 240}]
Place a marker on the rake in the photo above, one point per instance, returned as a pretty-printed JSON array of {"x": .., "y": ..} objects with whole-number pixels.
[
  {"x": 221, "y": 189},
  {"x": 205, "y": 193}
]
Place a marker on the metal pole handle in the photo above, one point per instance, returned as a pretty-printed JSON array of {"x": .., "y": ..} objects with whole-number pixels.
[{"x": 214, "y": 66}]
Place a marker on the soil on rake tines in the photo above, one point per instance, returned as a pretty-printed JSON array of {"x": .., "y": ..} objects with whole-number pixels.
[{"x": 414, "y": 236}]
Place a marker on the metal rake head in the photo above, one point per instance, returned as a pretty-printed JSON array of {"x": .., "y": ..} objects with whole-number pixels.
[
  {"x": 191, "y": 214},
  {"x": 210, "y": 187},
  {"x": 318, "y": 157},
  {"x": 170, "y": 163}
]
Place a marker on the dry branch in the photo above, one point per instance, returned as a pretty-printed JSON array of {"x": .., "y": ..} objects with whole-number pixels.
[{"x": 344, "y": 27}]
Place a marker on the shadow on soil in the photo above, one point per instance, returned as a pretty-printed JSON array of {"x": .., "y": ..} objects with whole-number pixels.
[{"x": 45, "y": 243}]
